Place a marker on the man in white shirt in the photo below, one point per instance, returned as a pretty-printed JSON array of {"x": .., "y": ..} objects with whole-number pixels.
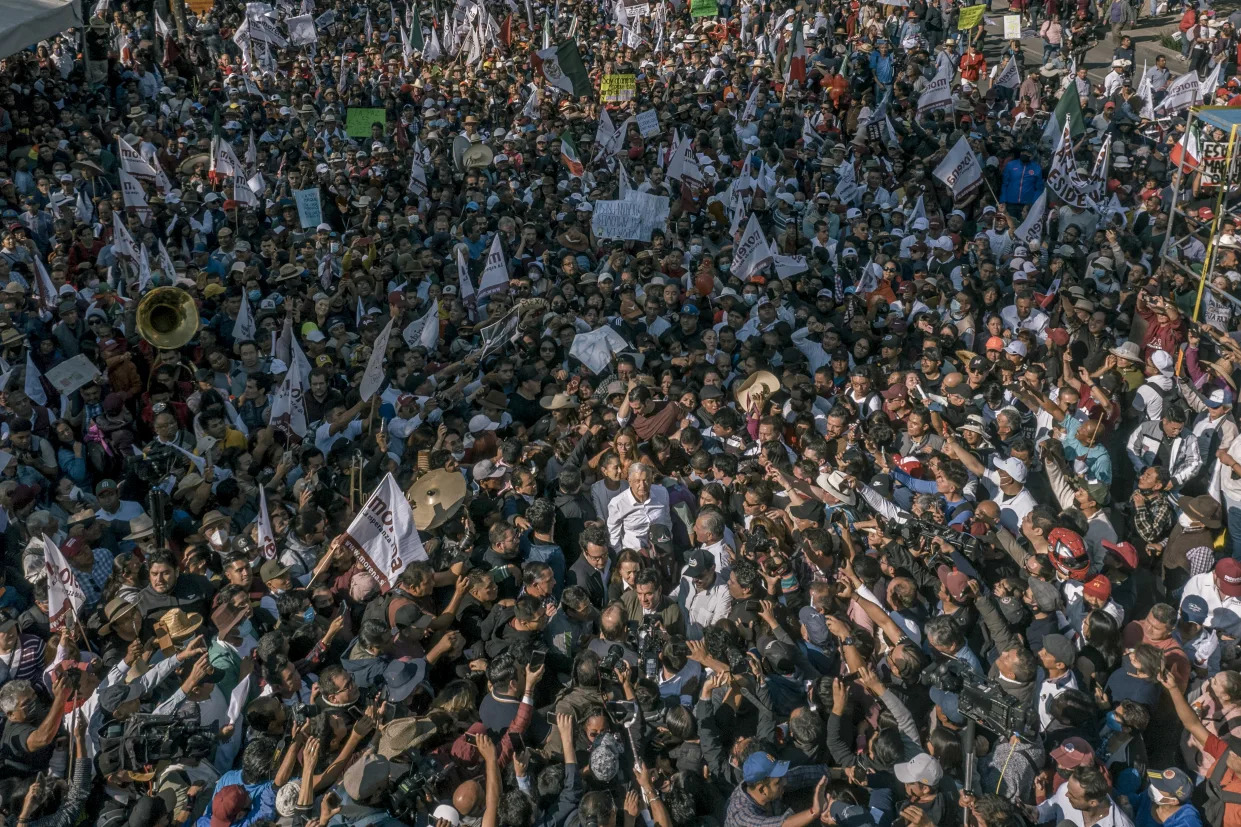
[
  {"x": 1221, "y": 589},
  {"x": 111, "y": 507},
  {"x": 702, "y": 593},
  {"x": 631, "y": 514},
  {"x": 339, "y": 423},
  {"x": 710, "y": 532},
  {"x": 1023, "y": 315},
  {"x": 1005, "y": 485},
  {"x": 1085, "y": 799}
]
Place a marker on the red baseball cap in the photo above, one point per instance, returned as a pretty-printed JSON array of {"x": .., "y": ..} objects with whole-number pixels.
[
  {"x": 1073, "y": 753},
  {"x": 1125, "y": 551},
  {"x": 1099, "y": 587},
  {"x": 1228, "y": 577}
]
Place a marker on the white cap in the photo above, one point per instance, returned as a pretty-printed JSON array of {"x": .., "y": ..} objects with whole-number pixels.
[
  {"x": 1012, "y": 466},
  {"x": 448, "y": 813},
  {"x": 481, "y": 422}
]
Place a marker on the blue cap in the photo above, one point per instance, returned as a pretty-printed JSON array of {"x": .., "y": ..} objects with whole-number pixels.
[
  {"x": 472, "y": 205},
  {"x": 691, "y": 309},
  {"x": 760, "y": 766},
  {"x": 1194, "y": 609}
]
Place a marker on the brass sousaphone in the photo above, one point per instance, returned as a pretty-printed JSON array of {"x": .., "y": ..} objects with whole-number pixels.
[
  {"x": 478, "y": 155},
  {"x": 167, "y": 317}
]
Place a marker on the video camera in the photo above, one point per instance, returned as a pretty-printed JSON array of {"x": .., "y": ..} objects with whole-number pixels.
[
  {"x": 145, "y": 740},
  {"x": 650, "y": 640},
  {"x": 414, "y": 791},
  {"x": 982, "y": 701},
  {"x": 916, "y": 533}
]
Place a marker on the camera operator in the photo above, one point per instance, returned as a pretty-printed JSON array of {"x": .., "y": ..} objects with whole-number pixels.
[{"x": 646, "y": 599}]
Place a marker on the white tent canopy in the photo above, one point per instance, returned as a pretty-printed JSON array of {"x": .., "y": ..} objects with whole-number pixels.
[{"x": 25, "y": 22}]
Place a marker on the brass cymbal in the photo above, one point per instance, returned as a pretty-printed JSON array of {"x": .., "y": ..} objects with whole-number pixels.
[{"x": 435, "y": 498}]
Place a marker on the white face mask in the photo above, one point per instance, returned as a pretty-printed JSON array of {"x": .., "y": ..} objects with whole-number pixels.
[
  {"x": 695, "y": 249},
  {"x": 1185, "y": 522}
]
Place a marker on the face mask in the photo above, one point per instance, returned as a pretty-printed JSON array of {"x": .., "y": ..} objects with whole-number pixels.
[
  {"x": 245, "y": 628},
  {"x": 308, "y": 616},
  {"x": 334, "y": 248},
  {"x": 1098, "y": 274},
  {"x": 1185, "y": 522},
  {"x": 255, "y": 295},
  {"x": 695, "y": 250},
  {"x": 217, "y": 537},
  {"x": 724, "y": 268},
  {"x": 750, "y": 299},
  {"x": 1113, "y": 723},
  {"x": 458, "y": 455},
  {"x": 382, "y": 225}
]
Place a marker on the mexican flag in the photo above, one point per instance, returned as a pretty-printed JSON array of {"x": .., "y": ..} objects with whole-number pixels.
[
  {"x": 1186, "y": 152},
  {"x": 795, "y": 69},
  {"x": 1070, "y": 107},
  {"x": 561, "y": 66},
  {"x": 416, "y": 40},
  {"x": 568, "y": 154}
]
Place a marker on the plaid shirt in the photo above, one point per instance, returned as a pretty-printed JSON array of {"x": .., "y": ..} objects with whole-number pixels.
[
  {"x": 1154, "y": 520},
  {"x": 92, "y": 581},
  {"x": 744, "y": 811}
]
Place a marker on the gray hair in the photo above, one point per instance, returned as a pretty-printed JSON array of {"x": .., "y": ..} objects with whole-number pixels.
[
  {"x": 13, "y": 693},
  {"x": 640, "y": 468},
  {"x": 713, "y": 522}
]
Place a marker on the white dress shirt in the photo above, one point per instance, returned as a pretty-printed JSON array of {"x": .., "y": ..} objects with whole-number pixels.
[
  {"x": 700, "y": 607},
  {"x": 629, "y": 521},
  {"x": 1223, "y": 613}
]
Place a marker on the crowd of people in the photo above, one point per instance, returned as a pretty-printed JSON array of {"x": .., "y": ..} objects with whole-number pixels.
[{"x": 775, "y": 439}]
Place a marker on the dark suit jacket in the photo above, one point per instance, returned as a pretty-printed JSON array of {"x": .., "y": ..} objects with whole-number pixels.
[{"x": 585, "y": 575}]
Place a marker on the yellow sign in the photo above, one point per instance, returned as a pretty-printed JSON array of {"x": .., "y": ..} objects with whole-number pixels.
[
  {"x": 970, "y": 17},
  {"x": 616, "y": 88},
  {"x": 199, "y": 6}
]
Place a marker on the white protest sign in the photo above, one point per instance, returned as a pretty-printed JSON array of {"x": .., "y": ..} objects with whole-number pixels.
[
  {"x": 960, "y": 169},
  {"x": 620, "y": 220},
  {"x": 302, "y": 30},
  {"x": 71, "y": 374},
  {"x": 309, "y": 213},
  {"x": 595, "y": 349},
  {"x": 267, "y": 538},
  {"x": 648, "y": 123},
  {"x": 383, "y": 537},
  {"x": 1012, "y": 27},
  {"x": 64, "y": 595}
]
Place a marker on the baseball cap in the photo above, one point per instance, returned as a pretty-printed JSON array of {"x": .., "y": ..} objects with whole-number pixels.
[
  {"x": 1060, "y": 648},
  {"x": 1073, "y": 753},
  {"x": 1012, "y": 466},
  {"x": 921, "y": 769},
  {"x": 1194, "y": 609},
  {"x": 954, "y": 582},
  {"x": 272, "y": 570},
  {"x": 760, "y": 766},
  {"x": 229, "y": 805},
  {"x": 994, "y": 343},
  {"x": 1099, "y": 587},
  {"x": 1228, "y": 577},
  {"x": 1125, "y": 551},
  {"x": 698, "y": 562},
  {"x": 1172, "y": 783}
]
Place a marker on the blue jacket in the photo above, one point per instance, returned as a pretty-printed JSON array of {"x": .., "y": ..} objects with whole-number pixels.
[{"x": 1023, "y": 183}]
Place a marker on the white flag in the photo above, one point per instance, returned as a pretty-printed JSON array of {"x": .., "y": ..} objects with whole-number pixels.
[
  {"x": 751, "y": 106},
  {"x": 302, "y": 29},
  {"x": 133, "y": 162},
  {"x": 425, "y": 330},
  {"x": 1182, "y": 92},
  {"x": 433, "y": 51},
  {"x": 288, "y": 408},
  {"x": 1062, "y": 179},
  {"x": 64, "y": 595},
  {"x": 1032, "y": 228},
  {"x": 44, "y": 287},
  {"x": 495, "y": 273},
  {"x": 1212, "y": 82},
  {"x": 960, "y": 170},
  {"x": 1147, "y": 94},
  {"x": 417, "y": 178},
  {"x": 373, "y": 379},
  {"x": 161, "y": 26},
  {"x": 84, "y": 210},
  {"x": 122, "y": 241},
  {"x": 132, "y": 192},
  {"x": 33, "y": 387},
  {"x": 1010, "y": 75},
  {"x": 465, "y": 285},
  {"x": 244, "y": 327},
  {"x": 383, "y": 537},
  {"x": 752, "y": 253},
  {"x": 267, "y": 539}
]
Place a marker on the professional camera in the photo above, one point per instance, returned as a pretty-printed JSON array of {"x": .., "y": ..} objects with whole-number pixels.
[
  {"x": 156, "y": 463},
  {"x": 616, "y": 653},
  {"x": 145, "y": 740},
  {"x": 414, "y": 791},
  {"x": 301, "y": 713},
  {"x": 917, "y": 533},
  {"x": 651, "y": 639},
  {"x": 982, "y": 701}
]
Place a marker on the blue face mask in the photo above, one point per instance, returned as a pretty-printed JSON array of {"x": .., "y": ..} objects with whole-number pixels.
[
  {"x": 1113, "y": 723},
  {"x": 255, "y": 295},
  {"x": 308, "y": 616},
  {"x": 245, "y": 628}
]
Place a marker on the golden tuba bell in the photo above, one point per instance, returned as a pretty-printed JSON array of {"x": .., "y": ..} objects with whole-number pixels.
[{"x": 167, "y": 317}]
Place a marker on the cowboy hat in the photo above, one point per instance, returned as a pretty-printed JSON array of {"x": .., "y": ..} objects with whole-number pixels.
[
  {"x": 187, "y": 166},
  {"x": 833, "y": 484},
  {"x": 1203, "y": 509},
  {"x": 759, "y": 380},
  {"x": 1219, "y": 370},
  {"x": 180, "y": 624},
  {"x": 574, "y": 239},
  {"x": 558, "y": 402},
  {"x": 140, "y": 527}
]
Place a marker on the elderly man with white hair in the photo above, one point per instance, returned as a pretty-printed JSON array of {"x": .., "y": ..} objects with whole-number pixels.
[{"x": 632, "y": 513}]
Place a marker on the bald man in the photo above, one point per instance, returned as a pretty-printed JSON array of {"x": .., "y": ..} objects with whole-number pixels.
[{"x": 469, "y": 800}]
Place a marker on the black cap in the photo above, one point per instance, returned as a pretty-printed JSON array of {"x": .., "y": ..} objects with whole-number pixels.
[
  {"x": 711, "y": 392},
  {"x": 978, "y": 364},
  {"x": 698, "y": 562}
]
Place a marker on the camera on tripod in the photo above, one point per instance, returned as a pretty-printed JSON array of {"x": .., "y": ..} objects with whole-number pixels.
[{"x": 980, "y": 700}]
